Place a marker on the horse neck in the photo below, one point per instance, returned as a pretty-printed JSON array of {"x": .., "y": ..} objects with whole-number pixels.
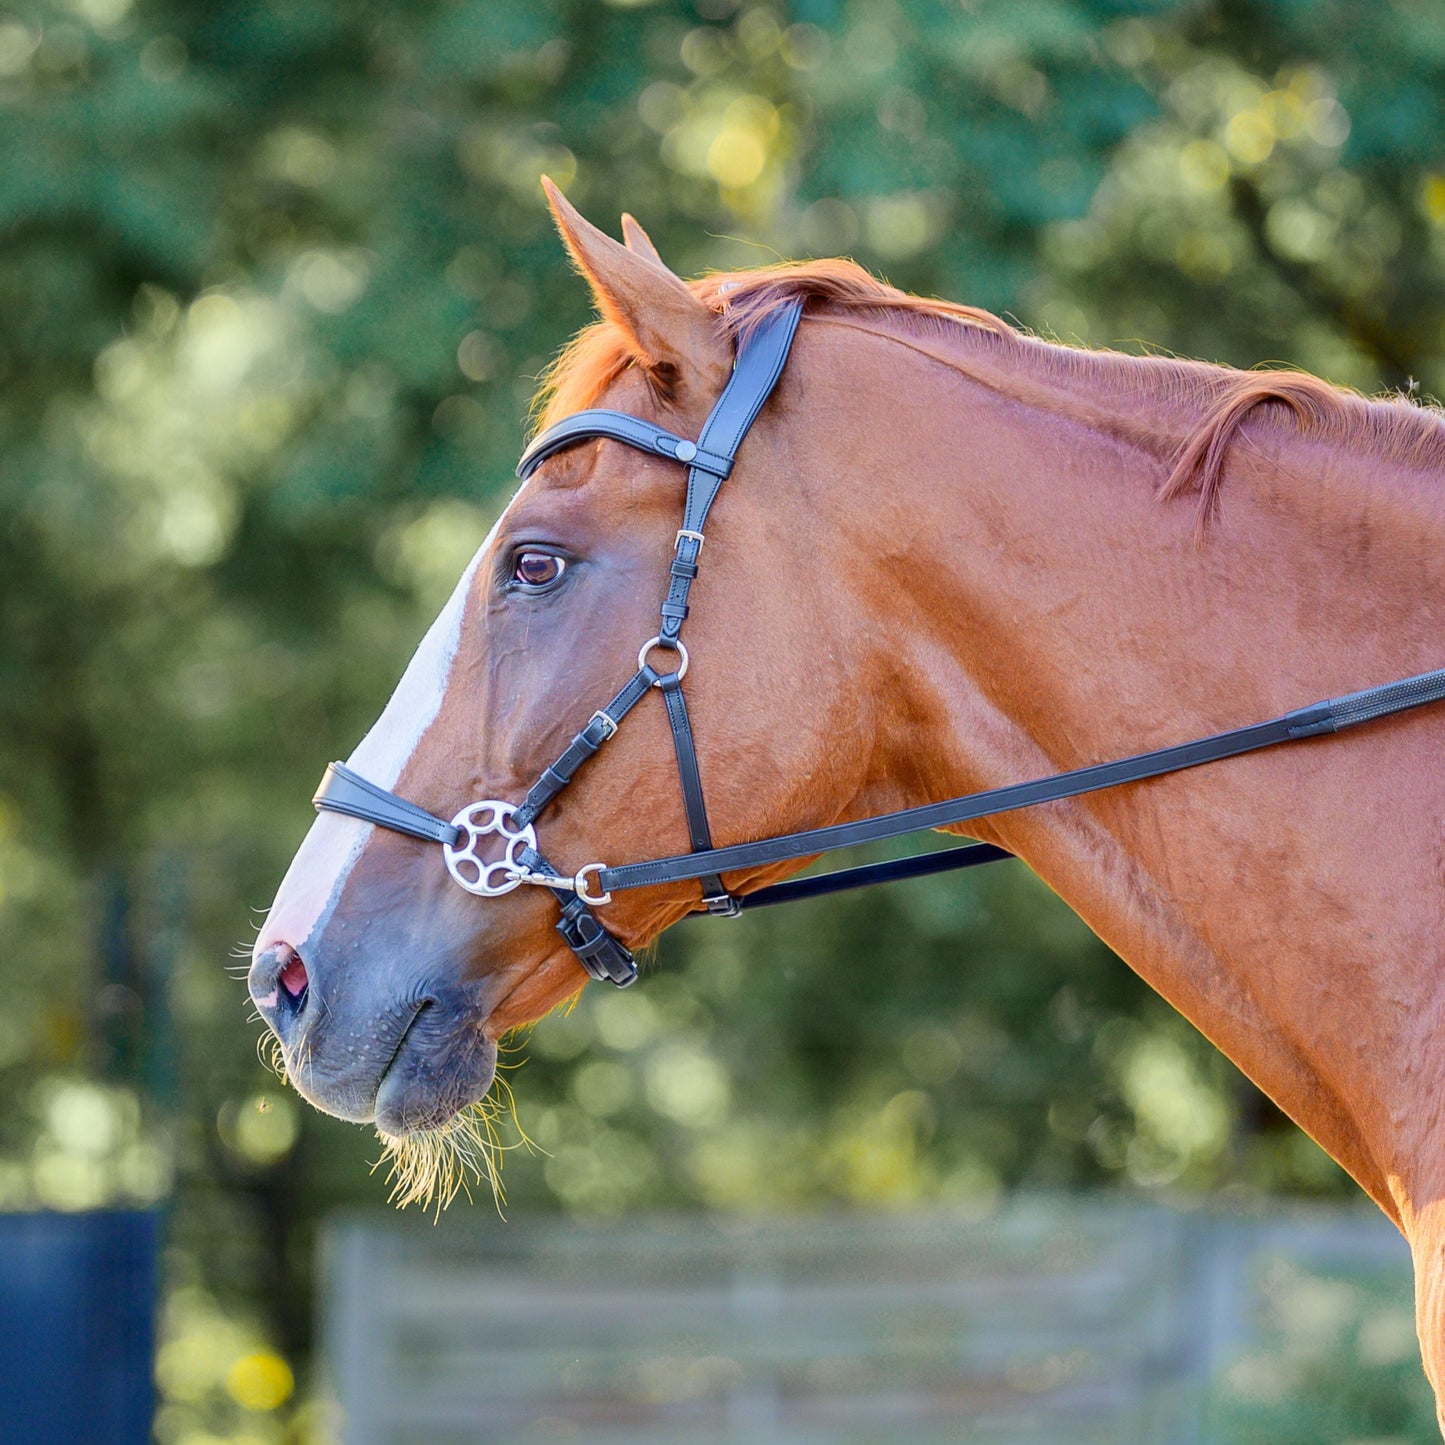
[
  {"x": 1049, "y": 612},
  {"x": 1087, "y": 611}
]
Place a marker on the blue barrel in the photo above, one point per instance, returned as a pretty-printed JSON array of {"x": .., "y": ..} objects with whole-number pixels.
[{"x": 77, "y": 1327}]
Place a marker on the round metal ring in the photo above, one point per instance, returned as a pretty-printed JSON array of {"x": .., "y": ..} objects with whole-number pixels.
[
  {"x": 580, "y": 884},
  {"x": 674, "y": 647},
  {"x": 464, "y": 862}
]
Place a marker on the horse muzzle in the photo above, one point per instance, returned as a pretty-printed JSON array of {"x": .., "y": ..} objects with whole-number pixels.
[{"x": 407, "y": 1055}]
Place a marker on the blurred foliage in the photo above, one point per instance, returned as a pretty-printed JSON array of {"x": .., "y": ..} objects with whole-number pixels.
[
  {"x": 275, "y": 284},
  {"x": 1337, "y": 1363}
]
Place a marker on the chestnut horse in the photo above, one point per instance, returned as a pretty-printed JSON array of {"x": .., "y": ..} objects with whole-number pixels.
[{"x": 951, "y": 556}]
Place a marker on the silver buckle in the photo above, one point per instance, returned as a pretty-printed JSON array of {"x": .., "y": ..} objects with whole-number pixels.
[
  {"x": 609, "y": 723},
  {"x": 687, "y": 532},
  {"x": 579, "y": 883}
]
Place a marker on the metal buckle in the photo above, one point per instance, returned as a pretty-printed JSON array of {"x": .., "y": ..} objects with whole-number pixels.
[
  {"x": 671, "y": 647},
  {"x": 609, "y": 723},
  {"x": 579, "y": 883},
  {"x": 688, "y": 532}
]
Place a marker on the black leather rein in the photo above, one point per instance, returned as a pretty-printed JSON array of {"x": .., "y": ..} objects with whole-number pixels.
[{"x": 761, "y": 356}]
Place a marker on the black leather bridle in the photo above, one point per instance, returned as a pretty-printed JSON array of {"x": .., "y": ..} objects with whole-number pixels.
[
  {"x": 759, "y": 362},
  {"x": 761, "y": 355}
]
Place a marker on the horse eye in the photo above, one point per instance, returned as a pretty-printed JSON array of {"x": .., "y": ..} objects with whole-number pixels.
[{"x": 537, "y": 569}]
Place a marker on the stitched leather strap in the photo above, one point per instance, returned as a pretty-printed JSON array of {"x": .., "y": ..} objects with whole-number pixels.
[
  {"x": 343, "y": 791},
  {"x": 716, "y": 898},
  {"x": 599, "y": 422},
  {"x": 760, "y": 361},
  {"x": 599, "y": 728},
  {"x": 1323, "y": 717}
]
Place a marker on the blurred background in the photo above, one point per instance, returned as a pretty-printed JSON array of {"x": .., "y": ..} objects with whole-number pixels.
[{"x": 276, "y": 283}]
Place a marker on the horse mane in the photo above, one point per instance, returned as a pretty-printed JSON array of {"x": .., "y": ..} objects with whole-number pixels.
[
  {"x": 1393, "y": 427},
  {"x": 602, "y": 352},
  {"x": 743, "y": 299}
]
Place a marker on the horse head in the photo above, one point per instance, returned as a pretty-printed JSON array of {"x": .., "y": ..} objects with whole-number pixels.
[{"x": 388, "y": 986}]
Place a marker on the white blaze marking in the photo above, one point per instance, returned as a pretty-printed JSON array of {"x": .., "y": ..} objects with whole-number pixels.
[{"x": 329, "y": 851}]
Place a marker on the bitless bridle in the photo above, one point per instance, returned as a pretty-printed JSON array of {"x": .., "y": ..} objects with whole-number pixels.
[{"x": 761, "y": 355}]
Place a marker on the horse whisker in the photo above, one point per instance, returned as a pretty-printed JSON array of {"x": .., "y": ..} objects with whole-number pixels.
[{"x": 431, "y": 1167}]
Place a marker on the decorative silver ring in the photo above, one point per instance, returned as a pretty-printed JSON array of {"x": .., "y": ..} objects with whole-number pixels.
[
  {"x": 464, "y": 863},
  {"x": 580, "y": 884},
  {"x": 672, "y": 647}
]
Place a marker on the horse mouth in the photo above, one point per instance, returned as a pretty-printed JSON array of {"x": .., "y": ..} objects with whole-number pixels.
[
  {"x": 386, "y": 1073},
  {"x": 439, "y": 1067}
]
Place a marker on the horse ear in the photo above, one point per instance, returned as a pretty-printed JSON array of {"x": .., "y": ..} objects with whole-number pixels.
[
  {"x": 675, "y": 335},
  {"x": 638, "y": 241}
]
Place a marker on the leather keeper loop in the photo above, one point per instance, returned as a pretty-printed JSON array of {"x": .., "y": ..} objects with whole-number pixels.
[
  {"x": 721, "y": 904},
  {"x": 538, "y": 796},
  {"x": 604, "y": 958}
]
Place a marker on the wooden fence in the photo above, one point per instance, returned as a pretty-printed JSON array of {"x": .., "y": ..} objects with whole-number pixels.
[{"x": 1059, "y": 1320}]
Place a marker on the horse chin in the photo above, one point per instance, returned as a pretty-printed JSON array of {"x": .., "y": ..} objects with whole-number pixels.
[
  {"x": 439, "y": 1134},
  {"x": 438, "y": 1069}
]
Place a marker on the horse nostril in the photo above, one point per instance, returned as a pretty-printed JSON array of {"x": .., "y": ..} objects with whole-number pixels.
[
  {"x": 293, "y": 977},
  {"x": 279, "y": 979}
]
